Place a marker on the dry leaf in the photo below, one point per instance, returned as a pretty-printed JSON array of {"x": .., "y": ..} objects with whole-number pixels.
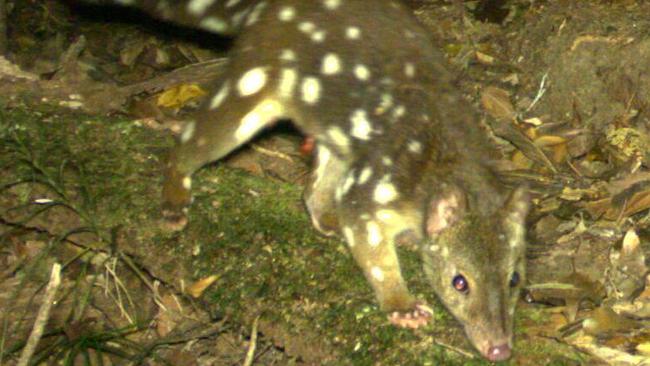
[
  {"x": 549, "y": 140},
  {"x": 630, "y": 242},
  {"x": 512, "y": 79},
  {"x": 197, "y": 288},
  {"x": 637, "y": 203},
  {"x": 620, "y": 206},
  {"x": 484, "y": 58},
  {"x": 610, "y": 355},
  {"x": 627, "y": 271},
  {"x": 535, "y": 121},
  {"x": 520, "y": 161},
  {"x": 604, "y": 320},
  {"x": 178, "y": 96},
  {"x": 644, "y": 348},
  {"x": 496, "y": 103},
  {"x": 572, "y": 194}
]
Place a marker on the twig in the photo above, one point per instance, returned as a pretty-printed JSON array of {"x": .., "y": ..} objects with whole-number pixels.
[
  {"x": 42, "y": 316},
  {"x": 156, "y": 297},
  {"x": 119, "y": 288},
  {"x": 540, "y": 92},
  {"x": 455, "y": 349},
  {"x": 275, "y": 154},
  {"x": 250, "y": 355}
]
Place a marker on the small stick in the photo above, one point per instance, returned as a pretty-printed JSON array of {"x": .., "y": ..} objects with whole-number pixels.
[
  {"x": 275, "y": 154},
  {"x": 455, "y": 349},
  {"x": 250, "y": 355},
  {"x": 540, "y": 93},
  {"x": 42, "y": 316}
]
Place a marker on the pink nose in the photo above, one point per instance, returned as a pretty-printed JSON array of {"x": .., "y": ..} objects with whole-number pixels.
[{"x": 499, "y": 353}]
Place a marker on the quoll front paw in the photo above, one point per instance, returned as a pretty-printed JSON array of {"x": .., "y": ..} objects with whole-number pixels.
[
  {"x": 419, "y": 316},
  {"x": 173, "y": 220}
]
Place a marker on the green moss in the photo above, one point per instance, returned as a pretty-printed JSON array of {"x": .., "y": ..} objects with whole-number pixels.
[{"x": 252, "y": 232}]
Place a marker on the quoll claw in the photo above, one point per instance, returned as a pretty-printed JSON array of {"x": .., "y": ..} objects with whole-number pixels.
[{"x": 418, "y": 317}]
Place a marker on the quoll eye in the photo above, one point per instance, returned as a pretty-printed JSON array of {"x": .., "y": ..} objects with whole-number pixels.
[
  {"x": 514, "y": 280},
  {"x": 460, "y": 284}
]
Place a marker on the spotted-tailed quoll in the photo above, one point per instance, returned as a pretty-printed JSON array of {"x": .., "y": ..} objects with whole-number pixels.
[{"x": 400, "y": 155}]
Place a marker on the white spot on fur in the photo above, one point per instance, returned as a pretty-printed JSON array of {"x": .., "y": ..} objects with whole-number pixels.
[
  {"x": 374, "y": 234},
  {"x": 377, "y": 274},
  {"x": 287, "y": 13},
  {"x": 220, "y": 96},
  {"x": 361, "y": 128},
  {"x": 399, "y": 111},
  {"x": 237, "y": 18},
  {"x": 252, "y": 81},
  {"x": 445, "y": 252},
  {"x": 385, "y": 215},
  {"x": 385, "y": 192},
  {"x": 345, "y": 187},
  {"x": 349, "y": 181},
  {"x": 265, "y": 112},
  {"x": 338, "y": 137},
  {"x": 409, "y": 70},
  {"x": 213, "y": 24},
  {"x": 318, "y": 36},
  {"x": 331, "y": 64},
  {"x": 332, "y": 4},
  {"x": 187, "y": 183},
  {"x": 254, "y": 16},
  {"x": 287, "y": 55},
  {"x": 415, "y": 147},
  {"x": 361, "y": 72},
  {"x": 324, "y": 155},
  {"x": 306, "y": 27},
  {"x": 287, "y": 84},
  {"x": 198, "y": 7},
  {"x": 365, "y": 175},
  {"x": 387, "y": 161},
  {"x": 310, "y": 90},
  {"x": 385, "y": 103},
  {"x": 352, "y": 33},
  {"x": 349, "y": 235},
  {"x": 188, "y": 132}
]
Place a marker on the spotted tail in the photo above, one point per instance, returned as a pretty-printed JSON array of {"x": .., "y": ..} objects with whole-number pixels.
[{"x": 225, "y": 17}]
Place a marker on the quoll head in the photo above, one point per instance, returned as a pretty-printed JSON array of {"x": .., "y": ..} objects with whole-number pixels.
[{"x": 476, "y": 266}]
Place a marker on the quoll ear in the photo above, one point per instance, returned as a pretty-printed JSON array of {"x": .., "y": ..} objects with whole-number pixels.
[
  {"x": 517, "y": 206},
  {"x": 445, "y": 210}
]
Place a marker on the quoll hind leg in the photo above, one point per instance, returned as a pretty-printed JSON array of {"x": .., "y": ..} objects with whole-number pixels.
[
  {"x": 214, "y": 133},
  {"x": 374, "y": 251},
  {"x": 319, "y": 195}
]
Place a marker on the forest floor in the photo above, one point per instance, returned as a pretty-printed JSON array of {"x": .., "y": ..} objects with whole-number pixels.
[{"x": 91, "y": 99}]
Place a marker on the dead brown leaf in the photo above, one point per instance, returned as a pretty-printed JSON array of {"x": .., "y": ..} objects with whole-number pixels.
[
  {"x": 197, "y": 288},
  {"x": 496, "y": 103},
  {"x": 179, "y": 95},
  {"x": 620, "y": 206}
]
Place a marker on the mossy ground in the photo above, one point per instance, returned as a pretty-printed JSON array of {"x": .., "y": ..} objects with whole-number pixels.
[{"x": 251, "y": 232}]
